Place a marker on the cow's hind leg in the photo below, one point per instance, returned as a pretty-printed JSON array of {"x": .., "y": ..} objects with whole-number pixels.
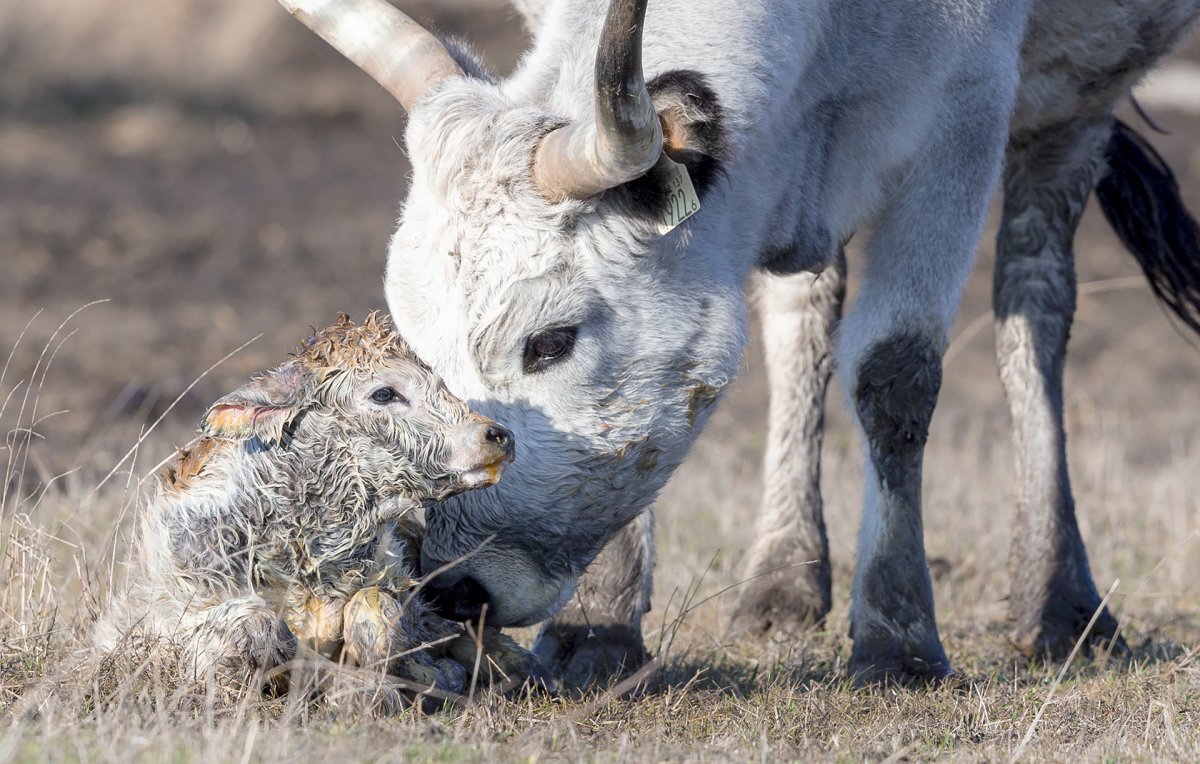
[
  {"x": 1048, "y": 178},
  {"x": 788, "y": 574}
]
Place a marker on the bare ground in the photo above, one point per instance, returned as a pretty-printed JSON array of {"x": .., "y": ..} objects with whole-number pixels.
[{"x": 217, "y": 176}]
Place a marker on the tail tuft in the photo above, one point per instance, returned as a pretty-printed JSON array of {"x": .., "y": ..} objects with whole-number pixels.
[{"x": 1140, "y": 199}]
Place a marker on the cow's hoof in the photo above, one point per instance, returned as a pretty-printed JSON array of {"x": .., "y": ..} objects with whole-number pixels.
[
  {"x": 880, "y": 660},
  {"x": 779, "y": 603},
  {"x": 503, "y": 663},
  {"x": 583, "y": 657},
  {"x": 1054, "y": 634}
]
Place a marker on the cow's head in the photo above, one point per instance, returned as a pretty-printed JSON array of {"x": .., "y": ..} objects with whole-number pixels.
[{"x": 529, "y": 269}]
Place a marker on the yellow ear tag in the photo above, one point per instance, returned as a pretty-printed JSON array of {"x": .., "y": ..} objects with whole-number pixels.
[{"x": 682, "y": 201}]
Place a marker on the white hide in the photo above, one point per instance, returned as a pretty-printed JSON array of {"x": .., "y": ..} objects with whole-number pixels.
[{"x": 839, "y": 115}]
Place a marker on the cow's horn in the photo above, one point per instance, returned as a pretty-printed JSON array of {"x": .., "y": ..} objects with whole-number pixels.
[
  {"x": 398, "y": 52},
  {"x": 625, "y": 140}
]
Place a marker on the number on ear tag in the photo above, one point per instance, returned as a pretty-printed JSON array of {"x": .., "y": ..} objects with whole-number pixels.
[{"x": 682, "y": 201}]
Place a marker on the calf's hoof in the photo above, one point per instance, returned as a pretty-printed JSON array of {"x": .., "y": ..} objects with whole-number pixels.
[
  {"x": 369, "y": 621},
  {"x": 583, "y": 657},
  {"x": 429, "y": 682},
  {"x": 879, "y": 659},
  {"x": 782, "y": 603},
  {"x": 317, "y": 625}
]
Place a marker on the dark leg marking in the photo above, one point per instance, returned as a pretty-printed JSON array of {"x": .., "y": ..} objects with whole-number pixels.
[{"x": 893, "y": 622}]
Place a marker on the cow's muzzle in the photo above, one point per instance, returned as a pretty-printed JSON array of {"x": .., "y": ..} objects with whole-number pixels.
[{"x": 458, "y": 599}]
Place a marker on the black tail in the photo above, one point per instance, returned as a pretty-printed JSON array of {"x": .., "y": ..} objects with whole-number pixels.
[{"x": 1140, "y": 199}]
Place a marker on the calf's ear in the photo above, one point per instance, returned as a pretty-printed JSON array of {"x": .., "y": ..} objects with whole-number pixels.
[{"x": 262, "y": 408}]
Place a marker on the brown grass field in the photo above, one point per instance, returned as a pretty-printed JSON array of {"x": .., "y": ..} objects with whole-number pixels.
[{"x": 213, "y": 175}]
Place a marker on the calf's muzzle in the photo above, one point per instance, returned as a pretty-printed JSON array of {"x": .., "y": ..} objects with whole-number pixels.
[{"x": 482, "y": 449}]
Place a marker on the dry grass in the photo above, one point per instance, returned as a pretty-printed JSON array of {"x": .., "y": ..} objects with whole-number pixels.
[
  {"x": 711, "y": 700},
  {"x": 217, "y": 174}
]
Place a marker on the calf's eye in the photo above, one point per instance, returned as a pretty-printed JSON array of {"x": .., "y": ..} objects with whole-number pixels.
[
  {"x": 387, "y": 395},
  {"x": 547, "y": 347}
]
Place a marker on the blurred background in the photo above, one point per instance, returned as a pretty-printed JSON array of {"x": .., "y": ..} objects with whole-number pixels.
[
  {"x": 214, "y": 172},
  {"x": 209, "y": 167}
]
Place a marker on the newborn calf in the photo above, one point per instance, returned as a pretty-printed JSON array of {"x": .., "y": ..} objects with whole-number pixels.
[{"x": 291, "y": 521}]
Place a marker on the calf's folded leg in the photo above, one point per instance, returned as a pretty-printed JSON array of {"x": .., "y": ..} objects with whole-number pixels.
[{"x": 234, "y": 643}]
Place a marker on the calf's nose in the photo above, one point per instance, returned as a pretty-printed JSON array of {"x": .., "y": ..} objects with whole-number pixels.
[{"x": 459, "y": 599}]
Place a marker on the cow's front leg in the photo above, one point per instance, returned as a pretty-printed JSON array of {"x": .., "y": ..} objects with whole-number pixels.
[
  {"x": 890, "y": 347},
  {"x": 598, "y": 636},
  {"x": 894, "y": 389},
  {"x": 788, "y": 578},
  {"x": 1047, "y": 182}
]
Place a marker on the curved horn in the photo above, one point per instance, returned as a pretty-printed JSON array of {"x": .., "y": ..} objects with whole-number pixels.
[
  {"x": 396, "y": 51},
  {"x": 625, "y": 140}
]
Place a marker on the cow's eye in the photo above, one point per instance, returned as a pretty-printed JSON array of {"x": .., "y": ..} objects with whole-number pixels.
[
  {"x": 548, "y": 346},
  {"x": 387, "y": 395}
]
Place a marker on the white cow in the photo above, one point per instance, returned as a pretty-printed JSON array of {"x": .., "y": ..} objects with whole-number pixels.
[{"x": 541, "y": 267}]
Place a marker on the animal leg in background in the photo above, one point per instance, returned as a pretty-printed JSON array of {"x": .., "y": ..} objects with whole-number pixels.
[
  {"x": 600, "y": 630},
  {"x": 890, "y": 346},
  {"x": 788, "y": 574},
  {"x": 1048, "y": 178}
]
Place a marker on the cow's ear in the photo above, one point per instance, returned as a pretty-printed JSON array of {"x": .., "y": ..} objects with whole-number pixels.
[
  {"x": 693, "y": 123},
  {"x": 262, "y": 408}
]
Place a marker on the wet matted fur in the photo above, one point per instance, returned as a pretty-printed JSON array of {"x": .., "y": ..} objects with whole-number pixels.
[{"x": 296, "y": 506}]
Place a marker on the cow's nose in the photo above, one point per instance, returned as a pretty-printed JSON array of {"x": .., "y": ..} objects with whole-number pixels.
[
  {"x": 500, "y": 437},
  {"x": 458, "y": 600}
]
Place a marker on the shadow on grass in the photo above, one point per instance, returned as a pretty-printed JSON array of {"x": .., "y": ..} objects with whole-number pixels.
[{"x": 815, "y": 662}]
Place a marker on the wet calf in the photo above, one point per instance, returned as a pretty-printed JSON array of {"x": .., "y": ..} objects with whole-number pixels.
[{"x": 291, "y": 525}]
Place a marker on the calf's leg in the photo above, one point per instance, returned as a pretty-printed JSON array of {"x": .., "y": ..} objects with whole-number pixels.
[
  {"x": 1048, "y": 178},
  {"x": 388, "y": 636},
  {"x": 233, "y": 643},
  {"x": 787, "y": 583}
]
